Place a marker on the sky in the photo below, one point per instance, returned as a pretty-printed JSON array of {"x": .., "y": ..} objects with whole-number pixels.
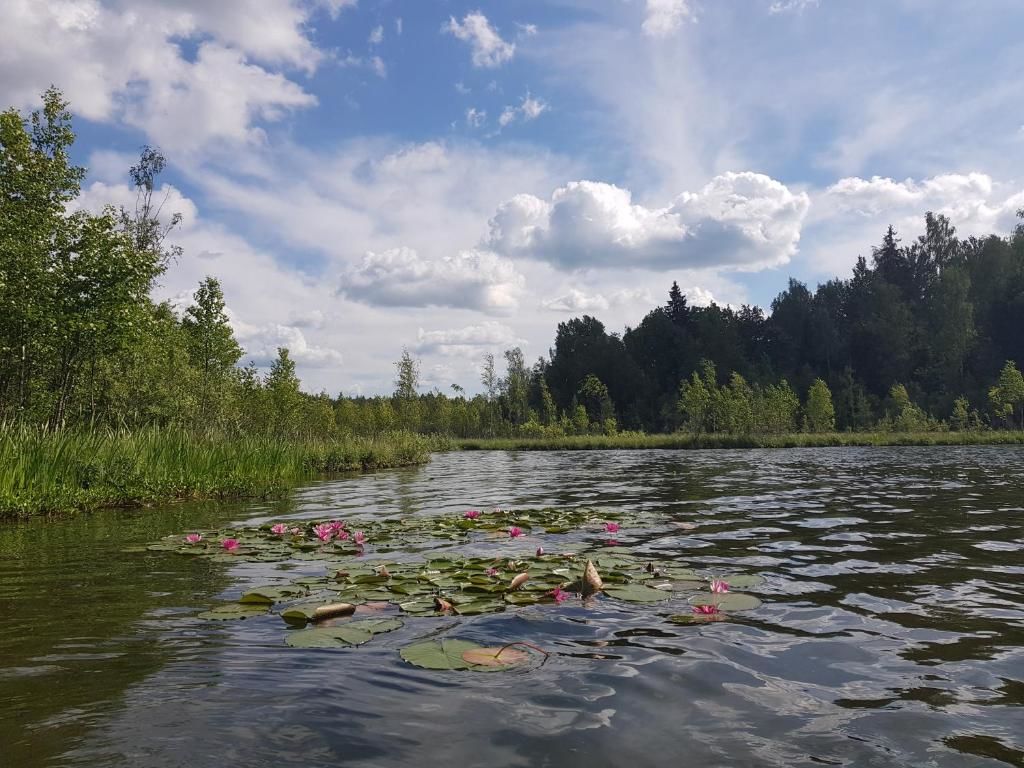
[{"x": 458, "y": 178}]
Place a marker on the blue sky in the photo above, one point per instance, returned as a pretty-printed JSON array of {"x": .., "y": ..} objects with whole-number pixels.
[{"x": 457, "y": 178}]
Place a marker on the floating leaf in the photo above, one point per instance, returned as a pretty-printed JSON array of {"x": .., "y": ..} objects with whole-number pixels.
[
  {"x": 353, "y": 633},
  {"x": 234, "y": 611},
  {"x": 316, "y": 612},
  {"x": 697, "y": 618},
  {"x": 495, "y": 658},
  {"x": 728, "y": 601},
  {"x": 272, "y": 594},
  {"x": 442, "y": 654},
  {"x": 636, "y": 593}
]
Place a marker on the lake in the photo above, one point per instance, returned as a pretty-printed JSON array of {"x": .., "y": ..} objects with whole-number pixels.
[{"x": 891, "y": 631}]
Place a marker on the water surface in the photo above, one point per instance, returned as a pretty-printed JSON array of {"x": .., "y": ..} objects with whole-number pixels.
[{"x": 892, "y": 630}]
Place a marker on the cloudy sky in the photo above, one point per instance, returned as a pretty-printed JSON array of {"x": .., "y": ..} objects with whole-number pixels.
[{"x": 457, "y": 178}]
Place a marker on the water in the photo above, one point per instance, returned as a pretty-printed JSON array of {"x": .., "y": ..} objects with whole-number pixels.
[{"x": 892, "y": 631}]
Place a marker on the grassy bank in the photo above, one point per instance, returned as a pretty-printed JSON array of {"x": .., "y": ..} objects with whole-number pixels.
[
  {"x": 683, "y": 440},
  {"x": 66, "y": 472}
]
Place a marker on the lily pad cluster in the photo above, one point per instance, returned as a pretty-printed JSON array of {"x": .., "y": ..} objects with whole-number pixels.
[{"x": 330, "y": 610}]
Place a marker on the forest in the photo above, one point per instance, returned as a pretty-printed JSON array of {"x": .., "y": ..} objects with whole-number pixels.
[{"x": 924, "y": 335}]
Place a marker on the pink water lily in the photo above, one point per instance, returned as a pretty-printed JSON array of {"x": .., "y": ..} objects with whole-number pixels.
[
  {"x": 337, "y": 525},
  {"x": 719, "y": 586},
  {"x": 491, "y": 571},
  {"x": 540, "y": 551},
  {"x": 611, "y": 527},
  {"x": 471, "y": 514},
  {"x": 559, "y": 594},
  {"x": 515, "y": 531},
  {"x": 296, "y": 531},
  {"x": 278, "y": 529},
  {"x": 194, "y": 538},
  {"x": 706, "y": 610},
  {"x": 230, "y": 544},
  {"x": 359, "y": 538},
  {"x": 324, "y": 532}
]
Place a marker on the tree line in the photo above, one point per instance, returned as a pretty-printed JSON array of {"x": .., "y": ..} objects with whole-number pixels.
[{"x": 924, "y": 335}]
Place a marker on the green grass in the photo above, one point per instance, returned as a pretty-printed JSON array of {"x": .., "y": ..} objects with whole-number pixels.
[
  {"x": 685, "y": 440},
  {"x": 66, "y": 472}
]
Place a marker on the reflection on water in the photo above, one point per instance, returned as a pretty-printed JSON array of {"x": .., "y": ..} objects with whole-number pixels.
[{"x": 892, "y": 631}]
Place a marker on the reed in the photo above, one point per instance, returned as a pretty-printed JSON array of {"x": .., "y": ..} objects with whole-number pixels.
[
  {"x": 45, "y": 472},
  {"x": 637, "y": 440}
]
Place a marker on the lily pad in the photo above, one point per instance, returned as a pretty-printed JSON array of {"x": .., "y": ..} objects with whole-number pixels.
[
  {"x": 233, "y": 611},
  {"x": 443, "y": 654},
  {"x": 354, "y": 633},
  {"x": 636, "y": 593},
  {"x": 273, "y": 594},
  {"x": 728, "y": 601},
  {"x": 496, "y": 658}
]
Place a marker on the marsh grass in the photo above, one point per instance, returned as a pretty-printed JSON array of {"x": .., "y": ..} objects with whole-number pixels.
[
  {"x": 64, "y": 472},
  {"x": 637, "y": 440}
]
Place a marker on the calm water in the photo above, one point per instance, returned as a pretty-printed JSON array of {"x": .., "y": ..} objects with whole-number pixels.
[{"x": 892, "y": 631}]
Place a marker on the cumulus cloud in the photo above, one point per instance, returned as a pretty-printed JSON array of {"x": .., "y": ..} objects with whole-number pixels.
[
  {"x": 400, "y": 277},
  {"x": 488, "y": 49},
  {"x": 738, "y": 220},
  {"x": 376, "y": 35},
  {"x": 529, "y": 109},
  {"x": 475, "y": 117},
  {"x": 664, "y": 17},
  {"x": 468, "y": 340},
  {"x": 121, "y": 60},
  {"x": 575, "y": 300},
  {"x": 970, "y": 200},
  {"x": 260, "y": 343}
]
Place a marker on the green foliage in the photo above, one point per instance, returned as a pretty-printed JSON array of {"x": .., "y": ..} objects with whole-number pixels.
[
  {"x": 820, "y": 415},
  {"x": 1007, "y": 396}
]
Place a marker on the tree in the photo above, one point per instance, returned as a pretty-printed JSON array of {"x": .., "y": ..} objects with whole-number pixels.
[
  {"x": 696, "y": 397},
  {"x": 407, "y": 376},
  {"x": 517, "y": 387},
  {"x": 959, "y": 420},
  {"x": 676, "y": 308},
  {"x": 819, "y": 413},
  {"x": 282, "y": 386},
  {"x": 211, "y": 344},
  {"x": 548, "y": 411},
  {"x": 489, "y": 377},
  {"x": 593, "y": 396},
  {"x": 1007, "y": 396}
]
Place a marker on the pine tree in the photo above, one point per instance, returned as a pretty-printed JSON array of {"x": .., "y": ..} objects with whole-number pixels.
[{"x": 676, "y": 308}]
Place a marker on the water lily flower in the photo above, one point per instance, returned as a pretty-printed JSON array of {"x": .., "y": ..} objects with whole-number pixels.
[
  {"x": 342, "y": 535},
  {"x": 515, "y": 531},
  {"x": 324, "y": 532},
  {"x": 706, "y": 610},
  {"x": 611, "y": 527},
  {"x": 472, "y": 514},
  {"x": 230, "y": 544},
  {"x": 278, "y": 529},
  {"x": 337, "y": 525},
  {"x": 296, "y": 531},
  {"x": 559, "y": 594},
  {"x": 540, "y": 551},
  {"x": 359, "y": 538},
  {"x": 719, "y": 586},
  {"x": 194, "y": 538},
  {"x": 491, "y": 571}
]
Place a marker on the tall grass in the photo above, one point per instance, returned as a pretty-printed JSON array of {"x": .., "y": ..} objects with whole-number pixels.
[
  {"x": 636, "y": 440},
  {"x": 61, "y": 472}
]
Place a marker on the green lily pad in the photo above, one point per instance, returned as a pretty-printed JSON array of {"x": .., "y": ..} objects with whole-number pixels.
[
  {"x": 727, "y": 601},
  {"x": 742, "y": 580},
  {"x": 636, "y": 593},
  {"x": 233, "y": 611},
  {"x": 697, "y": 618},
  {"x": 443, "y": 654},
  {"x": 273, "y": 594},
  {"x": 345, "y": 635}
]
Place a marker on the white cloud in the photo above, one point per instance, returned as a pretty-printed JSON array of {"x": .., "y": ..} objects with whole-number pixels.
[
  {"x": 122, "y": 60},
  {"x": 488, "y": 49},
  {"x": 791, "y": 6},
  {"x": 475, "y": 117},
  {"x": 376, "y": 35},
  {"x": 575, "y": 300},
  {"x": 528, "y": 109},
  {"x": 664, "y": 17},
  {"x": 398, "y": 26},
  {"x": 462, "y": 88},
  {"x": 402, "y": 278},
  {"x": 467, "y": 340},
  {"x": 527, "y": 30},
  {"x": 971, "y": 200},
  {"x": 738, "y": 220},
  {"x": 373, "y": 63},
  {"x": 260, "y": 343}
]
